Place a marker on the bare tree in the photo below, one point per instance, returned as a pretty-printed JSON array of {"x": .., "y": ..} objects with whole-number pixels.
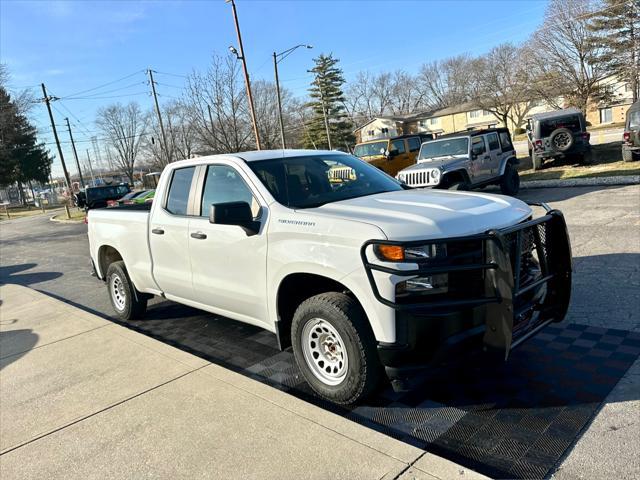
[
  {"x": 182, "y": 139},
  {"x": 502, "y": 85},
  {"x": 123, "y": 127},
  {"x": 564, "y": 57},
  {"x": 447, "y": 82},
  {"x": 216, "y": 106},
  {"x": 406, "y": 97}
]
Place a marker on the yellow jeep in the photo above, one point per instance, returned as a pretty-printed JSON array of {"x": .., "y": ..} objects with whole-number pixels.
[{"x": 392, "y": 154}]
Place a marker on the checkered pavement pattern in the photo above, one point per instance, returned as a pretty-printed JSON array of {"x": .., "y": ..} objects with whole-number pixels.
[{"x": 510, "y": 419}]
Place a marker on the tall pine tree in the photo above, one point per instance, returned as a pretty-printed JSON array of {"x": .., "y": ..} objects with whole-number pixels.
[
  {"x": 327, "y": 99},
  {"x": 22, "y": 158},
  {"x": 616, "y": 30}
]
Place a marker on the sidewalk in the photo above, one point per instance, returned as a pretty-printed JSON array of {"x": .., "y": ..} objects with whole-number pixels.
[{"x": 81, "y": 397}]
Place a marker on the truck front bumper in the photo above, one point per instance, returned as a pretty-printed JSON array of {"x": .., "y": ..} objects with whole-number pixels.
[{"x": 496, "y": 307}]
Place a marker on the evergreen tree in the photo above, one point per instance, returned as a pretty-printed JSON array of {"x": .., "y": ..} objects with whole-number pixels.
[
  {"x": 328, "y": 99},
  {"x": 22, "y": 158},
  {"x": 615, "y": 30}
]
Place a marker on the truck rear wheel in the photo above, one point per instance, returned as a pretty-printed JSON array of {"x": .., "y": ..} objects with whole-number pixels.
[
  {"x": 127, "y": 302},
  {"x": 335, "y": 348}
]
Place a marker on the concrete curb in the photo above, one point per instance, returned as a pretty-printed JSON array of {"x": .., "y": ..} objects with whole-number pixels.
[
  {"x": 61, "y": 220},
  {"x": 584, "y": 182}
]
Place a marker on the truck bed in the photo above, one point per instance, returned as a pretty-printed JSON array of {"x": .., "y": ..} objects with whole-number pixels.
[{"x": 125, "y": 229}]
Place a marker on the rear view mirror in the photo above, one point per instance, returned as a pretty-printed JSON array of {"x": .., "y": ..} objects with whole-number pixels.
[{"x": 234, "y": 213}]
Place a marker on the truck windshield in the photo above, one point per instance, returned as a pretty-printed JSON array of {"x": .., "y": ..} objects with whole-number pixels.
[
  {"x": 369, "y": 149},
  {"x": 441, "y": 148},
  {"x": 312, "y": 181}
]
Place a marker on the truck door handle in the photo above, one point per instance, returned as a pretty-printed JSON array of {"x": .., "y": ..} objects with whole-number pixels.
[
  {"x": 198, "y": 235},
  {"x": 158, "y": 231}
]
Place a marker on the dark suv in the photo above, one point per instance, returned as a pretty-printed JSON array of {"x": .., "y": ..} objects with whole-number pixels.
[
  {"x": 558, "y": 134},
  {"x": 631, "y": 143}
]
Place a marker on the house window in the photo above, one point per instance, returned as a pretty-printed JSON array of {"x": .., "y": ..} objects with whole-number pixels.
[
  {"x": 485, "y": 113},
  {"x": 627, "y": 87},
  {"x": 475, "y": 114},
  {"x": 433, "y": 121},
  {"x": 537, "y": 103},
  {"x": 606, "y": 115},
  {"x": 371, "y": 133},
  {"x": 384, "y": 130}
]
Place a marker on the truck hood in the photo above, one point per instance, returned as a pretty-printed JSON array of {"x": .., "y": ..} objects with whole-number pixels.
[{"x": 426, "y": 214}]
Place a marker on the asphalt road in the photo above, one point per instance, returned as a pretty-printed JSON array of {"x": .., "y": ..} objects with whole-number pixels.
[{"x": 604, "y": 225}]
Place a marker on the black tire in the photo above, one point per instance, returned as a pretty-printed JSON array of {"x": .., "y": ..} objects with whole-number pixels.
[
  {"x": 458, "y": 185},
  {"x": 128, "y": 303},
  {"x": 536, "y": 161},
  {"x": 561, "y": 139},
  {"x": 363, "y": 371},
  {"x": 510, "y": 181}
]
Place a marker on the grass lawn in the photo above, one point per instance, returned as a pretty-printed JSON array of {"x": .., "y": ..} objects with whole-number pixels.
[
  {"x": 17, "y": 212},
  {"x": 77, "y": 215},
  {"x": 607, "y": 162}
]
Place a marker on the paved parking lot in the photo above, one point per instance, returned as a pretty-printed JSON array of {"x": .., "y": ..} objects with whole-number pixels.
[{"x": 605, "y": 231}]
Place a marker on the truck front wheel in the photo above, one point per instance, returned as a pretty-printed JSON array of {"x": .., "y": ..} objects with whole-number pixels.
[
  {"x": 335, "y": 348},
  {"x": 127, "y": 302}
]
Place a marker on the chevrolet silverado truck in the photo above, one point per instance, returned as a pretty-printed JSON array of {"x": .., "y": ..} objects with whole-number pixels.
[{"x": 360, "y": 277}]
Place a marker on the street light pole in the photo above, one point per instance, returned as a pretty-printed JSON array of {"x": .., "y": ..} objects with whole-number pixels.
[
  {"x": 241, "y": 56},
  {"x": 278, "y": 57}
]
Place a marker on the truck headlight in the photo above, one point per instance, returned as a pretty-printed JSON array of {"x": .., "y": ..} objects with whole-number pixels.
[
  {"x": 435, "y": 175},
  {"x": 427, "y": 285},
  {"x": 419, "y": 253}
]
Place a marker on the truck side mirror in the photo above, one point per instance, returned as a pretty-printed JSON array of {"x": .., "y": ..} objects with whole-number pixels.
[{"x": 234, "y": 213}]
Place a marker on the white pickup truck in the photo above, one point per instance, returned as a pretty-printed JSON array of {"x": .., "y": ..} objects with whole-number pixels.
[{"x": 352, "y": 269}]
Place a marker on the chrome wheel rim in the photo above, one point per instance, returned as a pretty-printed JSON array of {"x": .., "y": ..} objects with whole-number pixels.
[
  {"x": 324, "y": 351},
  {"x": 118, "y": 294}
]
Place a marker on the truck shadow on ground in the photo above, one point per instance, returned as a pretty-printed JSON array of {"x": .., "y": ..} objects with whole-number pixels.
[{"x": 13, "y": 274}]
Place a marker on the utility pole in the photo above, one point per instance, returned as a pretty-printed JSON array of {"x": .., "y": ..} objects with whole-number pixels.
[
  {"x": 155, "y": 99},
  {"x": 47, "y": 100},
  {"x": 75, "y": 153},
  {"x": 241, "y": 56},
  {"x": 278, "y": 57},
  {"x": 93, "y": 178},
  {"x": 275, "y": 67}
]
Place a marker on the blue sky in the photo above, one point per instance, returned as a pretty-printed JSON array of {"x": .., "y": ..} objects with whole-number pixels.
[{"x": 73, "y": 46}]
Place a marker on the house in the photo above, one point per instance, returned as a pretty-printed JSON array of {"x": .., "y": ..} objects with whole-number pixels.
[
  {"x": 614, "y": 109},
  {"x": 380, "y": 127}
]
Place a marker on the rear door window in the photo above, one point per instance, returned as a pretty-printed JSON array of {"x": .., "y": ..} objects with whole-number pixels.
[
  {"x": 178, "y": 198},
  {"x": 505, "y": 141},
  {"x": 492, "y": 138}
]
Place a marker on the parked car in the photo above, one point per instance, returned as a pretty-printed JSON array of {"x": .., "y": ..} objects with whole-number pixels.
[
  {"x": 558, "y": 134},
  {"x": 79, "y": 199},
  {"x": 147, "y": 197},
  {"x": 99, "y": 197},
  {"x": 128, "y": 198},
  {"x": 391, "y": 154},
  {"x": 354, "y": 276},
  {"x": 466, "y": 160},
  {"x": 631, "y": 135}
]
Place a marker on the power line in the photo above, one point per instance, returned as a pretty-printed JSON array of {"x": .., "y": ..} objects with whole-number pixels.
[
  {"x": 73, "y": 97},
  {"x": 170, "y": 74},
  {"x": 102, "y": 98},
  {"x": 104, "y": 84}
]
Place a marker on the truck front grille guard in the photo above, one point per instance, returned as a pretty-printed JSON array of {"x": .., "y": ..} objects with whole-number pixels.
[{"x": 502, "y": 265}]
